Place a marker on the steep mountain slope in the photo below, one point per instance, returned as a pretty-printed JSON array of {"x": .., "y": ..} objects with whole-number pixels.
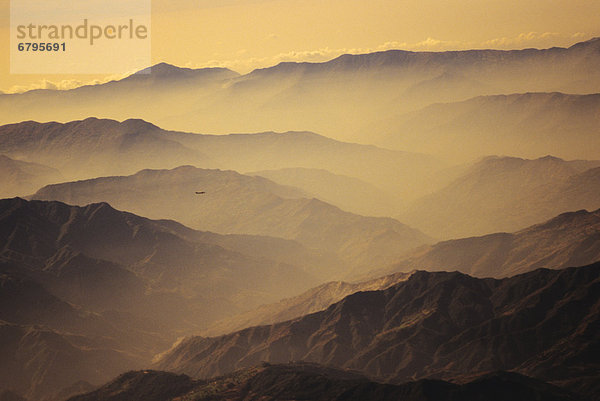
[
  {"x": 571, "y": 239},
  {"x": 352, "y": 90},
  {"x": 432, "y": 325},
  {"x": 103, "y": 259},
  {"x": 506, "y": 194},
  {"x": 313, "y": 300},
  {"x": 48, "y": 344},
  {"x": 38, "y": 361},
  {"x": 89, "y": 292},
  {"x": 23, "y": 178},
  {"x": 526, "y": 125},
  {"x": 312, "y": 382},
  {"x": 235, "y": 203},
  {"x": 347, "y": 193}
]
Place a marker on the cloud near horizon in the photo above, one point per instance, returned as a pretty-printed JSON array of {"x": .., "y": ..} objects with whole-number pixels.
[
  {"x": 64, "y": 84},
  {"x": 523, "y": 40}
]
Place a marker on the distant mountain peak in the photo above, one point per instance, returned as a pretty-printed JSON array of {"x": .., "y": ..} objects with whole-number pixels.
[
  {"x": 162, "y": 69},
  {"x": 138, "y": 123},
  {"x": 550, "y": 158},
  {"x": 166, "y": 70}
]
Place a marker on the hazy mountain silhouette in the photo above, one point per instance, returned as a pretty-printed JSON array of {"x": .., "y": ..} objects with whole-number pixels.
[
  {"x": 38, "y": 361},
  {"x": 23, "y": 178},
  {"x": 48, "y": 344},
  {"x": 94, "y": 147},
  {"x": 432, "y": 325},
  {"x": 570, "y": 239},
  {"x": 526, "y": 125},
  {"x": 169, "y": 86},
  {"x": 235, "y": 203},
  {"x": 312, "y": 382},
  {"x": 313, "y": 300},
  {"x": 89, "y": 292},
  {"x": 348, "y": 193},
  {"x": 400, "y": 173},
  {"x": 97, "y": 147},
  {"x": 352, "y": 90},
  {"x": 506, "y": 194},
  {"x": 113, "y": 257}
]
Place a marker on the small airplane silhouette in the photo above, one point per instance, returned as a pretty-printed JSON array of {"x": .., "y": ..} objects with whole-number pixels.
[{"x": 200, "y": 192}]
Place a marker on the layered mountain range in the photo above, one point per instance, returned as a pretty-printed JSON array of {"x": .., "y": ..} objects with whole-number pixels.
[
  {"x": 433, "y": 325},
  {"x": 99, "y": 147},
  {"x": 520, "y": 124},
  {"x": 571, "y": 239},
  {"x": 80, "y": 283},
  {"x": 314, "y": 300},
  {"x": 235, "y": 203},
  {"x": 22, "y": 178},
  {"x": 88, "y": 292},
  {"x": 352, "y": 90},
  {"x": 349, "y": 193},
  {"x": 506, "y": 194},
  {"x": 230, "y": 284}
]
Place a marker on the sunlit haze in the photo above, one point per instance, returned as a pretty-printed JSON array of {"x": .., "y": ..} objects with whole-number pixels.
[{"x": 246, "y": 34}]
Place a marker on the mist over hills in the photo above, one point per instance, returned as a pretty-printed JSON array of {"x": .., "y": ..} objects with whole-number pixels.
[
  {"x": 352, "y": 90},
  {"x": 89, "y": 292},
  {"x": 18, "y": 177},
  {"x": 48, "y": 344},
  {"x": 89, "y": 289},
  {"x": 348, "y": 193},
  {"x": 505, "y": 194},
  {"x": 92, "y": 147},
  {"x": 166, "y": 84},
  {"x": 439, "y": 325},
  {"x": 235, "y": 203},
  {"x": 314, "y": 300},
  {"x": 527, "y": 125},
  {"x": 39, "y": 361},
  {"x": 570, "y": 239},
  {"x": 51, "y": 238},
  {"x": 400, "y": 173},
  {"x": 98, "y": 147}
]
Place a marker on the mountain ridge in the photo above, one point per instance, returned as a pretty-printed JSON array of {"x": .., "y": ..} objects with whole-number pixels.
[
  {"x": 355, "y": 90},
  {"x": 439, "y": 325},
  {"x": 505, "y": 194},
  {"x": 313, "y": 382},
  {"x": 569, "y": 239},
  {"x": 240, "y": 204},
  {"x": 100, "y": 147}
]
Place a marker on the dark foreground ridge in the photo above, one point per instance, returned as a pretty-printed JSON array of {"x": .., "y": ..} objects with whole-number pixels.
[{"x": 302, "y": 381}]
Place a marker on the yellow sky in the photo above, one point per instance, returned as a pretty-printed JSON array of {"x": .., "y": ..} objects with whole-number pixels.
[{"x": 246, "y": 34}]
